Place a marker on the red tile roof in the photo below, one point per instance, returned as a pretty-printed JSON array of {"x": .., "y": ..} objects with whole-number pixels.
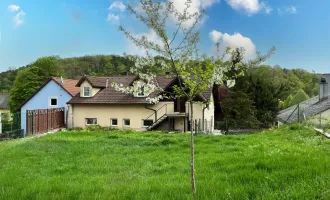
[{"x": 68, "y": 84}]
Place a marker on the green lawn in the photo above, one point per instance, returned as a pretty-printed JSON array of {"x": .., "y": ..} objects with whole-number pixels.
[{"x": 278, "y": 164}]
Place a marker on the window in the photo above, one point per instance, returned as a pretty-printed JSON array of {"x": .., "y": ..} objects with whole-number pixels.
[
  {"x": 87, "y": 91},
  {"x": 52, "y": 101},
  {"x": 91, "y": 121},
  {"x": 114, "y": 122},
  {"x": 147, "y": 122},
  {"x": 141, "y": 92},
  {"x": 127, "y": 122}
]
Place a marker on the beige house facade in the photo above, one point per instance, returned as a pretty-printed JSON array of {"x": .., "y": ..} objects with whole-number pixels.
[{"x": 100, "y": 104}]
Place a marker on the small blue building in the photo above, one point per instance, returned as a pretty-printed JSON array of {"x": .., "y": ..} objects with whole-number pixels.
[{"x": 55, "y": 93}]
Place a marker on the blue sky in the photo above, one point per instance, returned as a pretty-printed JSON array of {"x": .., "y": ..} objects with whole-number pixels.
[{"x": 299, "y": 29}]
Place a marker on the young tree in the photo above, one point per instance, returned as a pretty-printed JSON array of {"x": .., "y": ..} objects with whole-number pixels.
[{"x": 195, "y": 72}]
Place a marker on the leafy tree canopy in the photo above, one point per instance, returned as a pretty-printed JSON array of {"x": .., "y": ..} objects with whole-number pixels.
[{"x": 299, "y": 97}]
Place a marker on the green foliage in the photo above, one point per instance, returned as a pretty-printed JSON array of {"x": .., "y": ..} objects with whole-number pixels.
[
  {"x": 278, "y": 164},
  {"x": 295, "y": 79},
  {"x": 99, "y": 128},
  {"x": 299, "y": 97},
  {"x": 265, "y": 95},
  {"x": 287, "y": 101},
  {"x": 28, "y": 80},
  {"x": 238, "y": 111},
  {"x": 295, "y": 127}
]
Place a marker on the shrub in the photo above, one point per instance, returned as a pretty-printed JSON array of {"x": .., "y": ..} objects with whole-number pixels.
[
  {"x": 161, "y": 142},
  {"x": 99, "y": 128},
  {"x": 75, "y": 129},
  {"x": 295, "y": 126}
]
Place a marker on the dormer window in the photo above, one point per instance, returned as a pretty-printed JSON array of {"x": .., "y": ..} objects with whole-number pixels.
[
  {"x": 86, "y": 92},
  {"x": 141, "y": 92}
]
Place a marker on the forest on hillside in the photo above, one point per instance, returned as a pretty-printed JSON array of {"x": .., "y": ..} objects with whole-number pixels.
[
  {"x": 108, "y": 65},
  {"x": 258, "y": 95}
]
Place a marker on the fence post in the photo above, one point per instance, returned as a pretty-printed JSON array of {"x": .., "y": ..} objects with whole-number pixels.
[
  {"x": 298, "y": 113},
  {"x": 32, "y": 122},
  {"x": 212, "y": 129}
]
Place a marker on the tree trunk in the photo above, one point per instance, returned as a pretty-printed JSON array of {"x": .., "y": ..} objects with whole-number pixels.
[{"x": 192, "y": 151}]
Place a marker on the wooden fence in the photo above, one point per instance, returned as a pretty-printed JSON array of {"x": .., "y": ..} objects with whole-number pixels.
[{"x": 44, "y": 120}]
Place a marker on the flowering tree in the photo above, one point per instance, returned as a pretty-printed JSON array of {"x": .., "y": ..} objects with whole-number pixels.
[{"x": 195, "y": 72}]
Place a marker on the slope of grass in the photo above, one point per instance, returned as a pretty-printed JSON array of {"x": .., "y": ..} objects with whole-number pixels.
[{"x": 278, "y": 164}]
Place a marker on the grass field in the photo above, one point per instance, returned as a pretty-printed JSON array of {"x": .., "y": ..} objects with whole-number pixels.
[{"x": 278, "y": 164}]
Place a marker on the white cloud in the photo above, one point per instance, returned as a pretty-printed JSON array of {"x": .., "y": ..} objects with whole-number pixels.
[
  {"x": 113, "y": 18},
  {"x": 195, "y": 6},
  {"x": 215, "y": 36},
  {"x": 249, "y": 6},
  {"x": 289, "y": 9},
  {"x": 117, "y": 5},
  {"x": 208, "y": 3},
  {"x": 267, "y": 9},
  {"x": 152, "y": 37},
  {"x": 234, "y": 41},
  {"x": 17, "y": 18},
  {"x": 13, "y": 8}
]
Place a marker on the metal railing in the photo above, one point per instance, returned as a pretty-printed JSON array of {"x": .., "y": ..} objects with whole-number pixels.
[{"x": 156, "y": 113}]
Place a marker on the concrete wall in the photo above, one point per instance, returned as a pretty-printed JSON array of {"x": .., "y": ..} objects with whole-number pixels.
[
  {"x": 322, "y": 118},
  {"x": 41, "y": 100},
  {"x": 136, "y": 113}
]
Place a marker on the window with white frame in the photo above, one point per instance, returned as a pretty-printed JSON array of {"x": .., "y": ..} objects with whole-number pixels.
[
  {"x": 53, "y": 102},
  {"x": 91, "y": 121},
  {"x": 127, "y": 122},
  {"x": 114, "y": 122},
  {"x": 147, "y": 122},
  {"x": 86, "y": 91}
]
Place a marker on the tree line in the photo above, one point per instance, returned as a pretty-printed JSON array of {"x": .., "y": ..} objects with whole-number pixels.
[
  {"x": 298, "y": 84},
  {"x": 264, "y": 90}
]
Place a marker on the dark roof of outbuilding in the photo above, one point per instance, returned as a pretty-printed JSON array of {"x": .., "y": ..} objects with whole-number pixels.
[
  {"x": 307, "y": 109},
  {"x": 4, "y": 101}
]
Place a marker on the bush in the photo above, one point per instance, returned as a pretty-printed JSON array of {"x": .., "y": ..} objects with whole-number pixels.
[
  {"x": 100, "y": 128},
  {"x": 161, "y": 142},
  {"x": 295, "y": 127},
  {"x": 75, "y": 129}
]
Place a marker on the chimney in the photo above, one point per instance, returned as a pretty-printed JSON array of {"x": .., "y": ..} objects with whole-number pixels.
[
  {"x": 324, "y": 87},
  {"x": 62, "y": 81},
  {"x": 107, "y": 83}
]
